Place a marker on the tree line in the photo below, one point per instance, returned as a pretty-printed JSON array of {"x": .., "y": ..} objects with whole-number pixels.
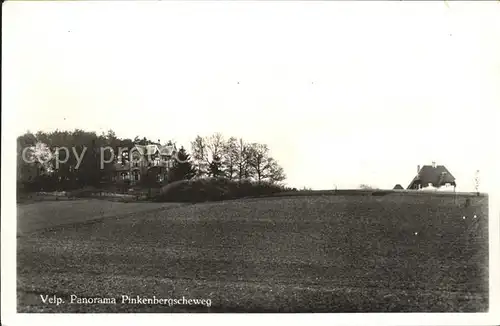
[
  {"x": 234, "y": 159},
  {"x": 85, "y": 164}
]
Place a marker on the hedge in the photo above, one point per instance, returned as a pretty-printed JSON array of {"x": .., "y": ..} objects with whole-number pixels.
[{"x": 215, "y": 189}]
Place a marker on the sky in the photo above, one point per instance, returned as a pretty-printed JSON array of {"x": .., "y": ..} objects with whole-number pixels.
[{"x": 344, "y": 93}]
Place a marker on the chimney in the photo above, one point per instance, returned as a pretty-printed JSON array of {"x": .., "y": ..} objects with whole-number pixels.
[
  {"x": 433, "y": 164},
  {"x": 418, "y": 169}
]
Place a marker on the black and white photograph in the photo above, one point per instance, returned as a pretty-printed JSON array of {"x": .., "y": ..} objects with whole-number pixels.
[{"x": 251, "y": 157}]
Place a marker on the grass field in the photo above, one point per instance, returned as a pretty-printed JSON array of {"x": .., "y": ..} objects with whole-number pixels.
[
  {"x": 289, "y": 254},
  {"x": 47, "y": 214}
]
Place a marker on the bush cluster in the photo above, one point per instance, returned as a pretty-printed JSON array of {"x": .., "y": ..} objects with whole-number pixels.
[{"x": 215, "y": 189}]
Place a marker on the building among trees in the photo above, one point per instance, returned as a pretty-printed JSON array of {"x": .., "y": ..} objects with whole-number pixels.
[
  {"x": 141, "y": 162},
  {"x": 65, "y": 160}
]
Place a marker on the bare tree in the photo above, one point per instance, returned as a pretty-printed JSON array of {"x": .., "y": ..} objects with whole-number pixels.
[
  {"x": 230, "y": 158},
  {"x": 263, "y": 165},
  {"x": 215, "y": 147},
  {"x": 242, "y": 160},
  {"x": 199, "y": 154},
  {"x": 275, "y": 172},
  {"x": 258, "y": 159},
  {"x": 476, "y": 181}
]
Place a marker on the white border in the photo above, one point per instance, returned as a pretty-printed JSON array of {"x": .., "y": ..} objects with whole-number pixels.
[{"x": 9, "y": 316}]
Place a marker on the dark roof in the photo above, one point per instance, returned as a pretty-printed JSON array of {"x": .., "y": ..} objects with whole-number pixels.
[
  {"x": 437, "y": 176},
  {"x": 147, "y": 149},
  {"x": 152, "y": 149},
  {"x": 398, "y": 186},
  {"x": 167, "y": 149}
]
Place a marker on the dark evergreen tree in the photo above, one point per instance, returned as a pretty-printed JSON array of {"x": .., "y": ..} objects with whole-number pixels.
[
  {"x": 182, "y": 168},
  {"x": 215, "y": 167}
]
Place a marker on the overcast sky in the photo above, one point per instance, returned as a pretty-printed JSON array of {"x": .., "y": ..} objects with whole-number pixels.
[{"x": 344, "y": 93}]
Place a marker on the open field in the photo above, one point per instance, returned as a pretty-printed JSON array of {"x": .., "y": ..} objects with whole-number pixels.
[
  {"x": 47, "y": 214},
  {"x": 290, "y": 254}
]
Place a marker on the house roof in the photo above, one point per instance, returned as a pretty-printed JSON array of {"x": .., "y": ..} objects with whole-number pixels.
[
  {"x": 167, "y": 150},
  {"x": 151, "y": 149},
  {"x": 139, "y": 148},
  {"x": 154, "y": 149},
  {"x": 147, "y": 149},
  {"x": 398, "y": 186},
  {"x": 435, "y": 175}
]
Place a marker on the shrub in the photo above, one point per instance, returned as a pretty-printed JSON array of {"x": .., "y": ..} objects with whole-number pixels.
[{"x": 214, "y": 189}]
